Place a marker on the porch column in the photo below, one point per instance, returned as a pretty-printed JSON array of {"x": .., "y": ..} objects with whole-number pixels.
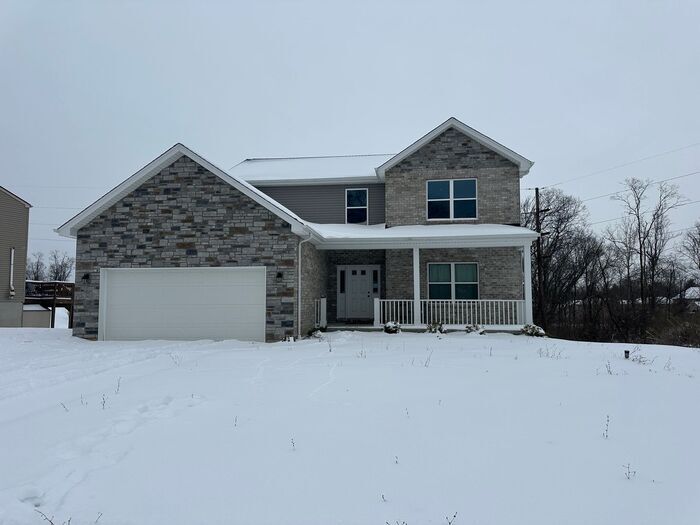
[
  {"x": 416, "y": 287},
  {"x": 527, "y": 278}
]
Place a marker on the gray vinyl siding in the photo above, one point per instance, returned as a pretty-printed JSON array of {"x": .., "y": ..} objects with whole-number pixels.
[
  {"x": 14, "y": 225},
  {"x": 325, "y": 203}
]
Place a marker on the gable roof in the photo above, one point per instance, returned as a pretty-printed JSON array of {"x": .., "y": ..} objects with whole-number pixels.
[
  {"x": 8, "y": 192},
  {"x": 331, "y": 169},
  {"x": 523, "y": 164},
  {"x": 71, "y": 227}
]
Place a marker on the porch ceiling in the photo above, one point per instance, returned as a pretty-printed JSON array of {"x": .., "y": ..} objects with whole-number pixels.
[{"x": 378, "y": 236}]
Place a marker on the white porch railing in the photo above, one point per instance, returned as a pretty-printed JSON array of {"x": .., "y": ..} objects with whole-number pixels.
[
  {"x": 483, "y": 312},
  {"x": 398, "y": 310},
  {"x": 320, "y": 319}
]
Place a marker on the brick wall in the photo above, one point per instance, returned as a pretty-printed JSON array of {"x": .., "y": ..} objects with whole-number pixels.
[
  {"x": 314, "y": 278},
  {"x": 453, "y": 155},
  {"x": 186, "y": 216},
  {"x": 500, "y": 271}
]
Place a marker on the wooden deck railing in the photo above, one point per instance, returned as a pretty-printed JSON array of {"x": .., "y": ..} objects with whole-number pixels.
[{"x": 51, "y": 294}]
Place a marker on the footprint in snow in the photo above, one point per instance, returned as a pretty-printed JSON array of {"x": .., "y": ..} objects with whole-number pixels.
[{"x": 31, "y": 495}]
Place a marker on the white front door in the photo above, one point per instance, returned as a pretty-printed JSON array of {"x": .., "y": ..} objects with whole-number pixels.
[{"x": 358, "y": 285}]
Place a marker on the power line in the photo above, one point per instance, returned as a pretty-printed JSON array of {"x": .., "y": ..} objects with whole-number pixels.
[
  {"x": 618, "y": 218},
  {"x": 53, "y": 208},
  {"x": 41, "y": 186},
  {"x": 624, "y": 164},
  {"x": 59, "y": 240},
  {"x": 682, "y": 230},
  {"x": 652, "y": 181}
]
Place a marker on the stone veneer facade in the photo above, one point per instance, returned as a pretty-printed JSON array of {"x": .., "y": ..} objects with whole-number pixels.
[
  {"x": 453, "y": 155},
  {"x": 186, "y": 216}
]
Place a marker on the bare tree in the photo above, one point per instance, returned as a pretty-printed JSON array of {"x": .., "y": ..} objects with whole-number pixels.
[
  {"x": 36, "y": 267},
  {"x": 567, "y": 249},
  {"x": 690, "y": 247},
  {"x": 60, "y": 266},
  {"x": 650, "y": 228}
]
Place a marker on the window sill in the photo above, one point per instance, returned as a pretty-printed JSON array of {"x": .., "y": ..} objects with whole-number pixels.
[{"x": 453, "y": 220}]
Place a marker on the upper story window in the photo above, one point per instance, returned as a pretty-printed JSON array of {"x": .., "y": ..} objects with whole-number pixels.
[
  {"x": 356, "y": 206},
  {"x": 451, "y": 199}
]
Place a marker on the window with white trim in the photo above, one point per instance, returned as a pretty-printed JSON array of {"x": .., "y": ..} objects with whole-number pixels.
[
  {"x": 356, "y": 206},
  {"x": 451, "y": 199},
  {"x": 453, "y": 281}
]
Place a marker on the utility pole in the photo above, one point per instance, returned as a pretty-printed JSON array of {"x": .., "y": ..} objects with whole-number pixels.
[{"x": 540, "y": 280}]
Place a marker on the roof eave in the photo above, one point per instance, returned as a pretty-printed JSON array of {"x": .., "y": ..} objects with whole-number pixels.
[
  {"x": 368, "y": 179},
  {"x": 16, "y": 197},
  {"x": 482, "y": 241}
]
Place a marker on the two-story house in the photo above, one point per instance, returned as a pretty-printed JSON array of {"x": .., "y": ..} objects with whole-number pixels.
[
  {"x": 14, "y": 228},
  {"x": 274, "y": 247}
]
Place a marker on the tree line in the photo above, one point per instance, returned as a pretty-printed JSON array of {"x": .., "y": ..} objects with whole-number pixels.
[
  {"x": 58, "y": 266},
  {"x": 618, "y": 284}
]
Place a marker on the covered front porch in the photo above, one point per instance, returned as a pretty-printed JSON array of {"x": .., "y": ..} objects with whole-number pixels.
[{"x": 477, "y": 275}]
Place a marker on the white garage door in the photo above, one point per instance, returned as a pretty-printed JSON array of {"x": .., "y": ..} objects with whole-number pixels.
[{"x": 182, "y": 303}]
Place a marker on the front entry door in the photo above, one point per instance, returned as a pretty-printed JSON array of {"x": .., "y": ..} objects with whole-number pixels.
[{"x": 360, "y": 288}]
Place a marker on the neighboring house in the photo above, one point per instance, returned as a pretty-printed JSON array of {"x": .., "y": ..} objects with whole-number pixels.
[
  {"x": 690, "y": 297},
  {"x": 275, "y": 247},
  {"x": 14, "y": 228}
]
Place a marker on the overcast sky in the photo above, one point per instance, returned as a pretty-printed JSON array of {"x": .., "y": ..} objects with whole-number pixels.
[{"x": 92, "y": 91}]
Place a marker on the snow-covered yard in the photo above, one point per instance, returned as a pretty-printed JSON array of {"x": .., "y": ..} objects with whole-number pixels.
[{"x": 353, "y": 429}]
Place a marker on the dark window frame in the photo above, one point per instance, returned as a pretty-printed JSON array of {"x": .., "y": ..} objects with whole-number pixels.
[
  {"x": 451, "y": 199},
  {"x": 453, "y": 280},
  {"x": 365, "y": 207}
]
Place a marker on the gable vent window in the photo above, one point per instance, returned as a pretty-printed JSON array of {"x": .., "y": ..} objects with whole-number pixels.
[
  {"x": 356, "y": 206},
  {"x": 451, "y": 199}
]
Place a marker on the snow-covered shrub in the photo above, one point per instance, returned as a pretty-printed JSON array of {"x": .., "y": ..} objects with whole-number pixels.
[
  {"x": 435, "y": 328},
  {"x": 392, "y": 327},
  {"x": 474, "y": 329},
  {"x": 532, "y": 330}
]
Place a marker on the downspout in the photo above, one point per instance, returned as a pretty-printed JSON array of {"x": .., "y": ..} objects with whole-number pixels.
[
  {"x": 302, "y": 241},
  {"x": 12, "y": 273}
]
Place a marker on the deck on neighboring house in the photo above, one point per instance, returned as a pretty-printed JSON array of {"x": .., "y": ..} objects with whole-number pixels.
[{"x": 52, "y": 295}]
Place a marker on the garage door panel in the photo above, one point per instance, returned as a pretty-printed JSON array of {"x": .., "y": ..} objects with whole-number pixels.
[
  {"x": 183, "y": 303},
  {"x": 244, "y": 294}
]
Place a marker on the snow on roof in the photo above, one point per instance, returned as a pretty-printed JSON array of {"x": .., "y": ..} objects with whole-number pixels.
[
  {"x": 692, "y": 293},
  {"x": 422, "y": 235},
  {"x": 34, "y": 308},
  {"x": 340, "y": 168}
]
